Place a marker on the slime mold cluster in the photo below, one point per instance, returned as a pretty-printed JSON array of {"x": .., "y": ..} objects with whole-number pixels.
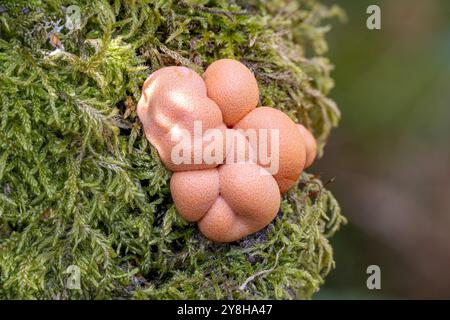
[{"x": 228, "y": 199}]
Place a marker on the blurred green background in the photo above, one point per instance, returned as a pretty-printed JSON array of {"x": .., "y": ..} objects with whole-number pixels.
[{"x": 391, "y": 154}]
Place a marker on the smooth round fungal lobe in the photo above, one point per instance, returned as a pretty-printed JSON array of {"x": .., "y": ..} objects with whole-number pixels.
[
  {"x": 284, "y": 157},
  {"x": 249, "y": 200},
  {"x": 165, "y": 81},
  {"x": 310, "y": 145},
  {"x": 220, "y": 223},
  {"x": 233, "y": 87},
  {"x": 251, "y": 192},
  {"x": 194, "y": 192},
  {"x": 173, "y": 101}
]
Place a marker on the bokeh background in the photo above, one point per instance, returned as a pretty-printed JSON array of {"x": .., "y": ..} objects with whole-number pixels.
[{"x": 390, "y": 156}]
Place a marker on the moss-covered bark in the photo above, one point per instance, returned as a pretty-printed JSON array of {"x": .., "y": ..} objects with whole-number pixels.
[{"x": 80, "y": 185}]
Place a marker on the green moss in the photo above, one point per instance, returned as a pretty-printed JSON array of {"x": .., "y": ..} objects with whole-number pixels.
[{"x": 80, "y": 185}]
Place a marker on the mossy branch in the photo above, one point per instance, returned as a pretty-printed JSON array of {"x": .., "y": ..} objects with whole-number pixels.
[{"x": 79, "y": 183}]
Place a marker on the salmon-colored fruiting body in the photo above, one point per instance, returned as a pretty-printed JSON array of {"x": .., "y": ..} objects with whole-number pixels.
[
  {"x": 194, "y": 192},
  {"x": 249, "y": 200},
  {"x": 234, "y": 197},
  {"x": 233, "y": 87},
  {"x": 173, "y": 99},
  {"x": 291, "y": 148},
  {"x": 310, "y": 145}
]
